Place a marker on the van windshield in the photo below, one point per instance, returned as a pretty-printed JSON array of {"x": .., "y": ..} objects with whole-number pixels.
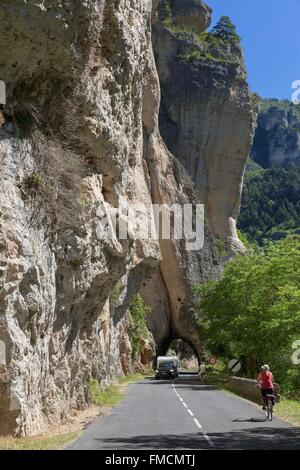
[{"x": 166, "y": 365}]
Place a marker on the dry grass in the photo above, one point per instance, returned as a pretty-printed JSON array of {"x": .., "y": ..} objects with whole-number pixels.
[
  {"x": 53, "y": 189},
  {"x": 38, "y": 443},
  {"x": 289, "y": 410}
]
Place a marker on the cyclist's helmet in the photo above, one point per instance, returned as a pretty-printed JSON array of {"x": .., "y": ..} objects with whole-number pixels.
[{"x": 265, "y": 367}]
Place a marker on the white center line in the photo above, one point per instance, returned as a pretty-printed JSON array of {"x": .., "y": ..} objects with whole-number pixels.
[
  {"x": 199, "y": 426},
  {"x": 197, "y": 423},
  {"x": 208, "y": 440}
]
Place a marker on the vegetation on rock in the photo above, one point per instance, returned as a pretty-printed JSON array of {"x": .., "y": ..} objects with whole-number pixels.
[
  {"x": 216, "y": 45},
  {"x": 285, "y": 105},
  {"x": 165, "y": 13},
  {"x": 33, "y": 181},
  {"x": 256, "y": 101},
  {"x": 110, "y": 396},
  {"x": 226, "y": 30},
  {"x": 138, "y": 330}
]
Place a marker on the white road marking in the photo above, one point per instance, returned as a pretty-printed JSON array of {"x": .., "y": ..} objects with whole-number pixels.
[
  {"x": 197, "y": 423},
  {"x": 199, "y": 426},
  {"x": 208, "y": 440}
]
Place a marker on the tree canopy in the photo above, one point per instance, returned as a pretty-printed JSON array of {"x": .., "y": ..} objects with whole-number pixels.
[
  {"x": 271, "y": 203},
  {"x": 225, "y": 29},
  {"x": 253, "y": 311}
]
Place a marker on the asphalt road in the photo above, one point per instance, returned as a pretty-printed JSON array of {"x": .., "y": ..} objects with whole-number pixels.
[{"x": 185, "y": 415}]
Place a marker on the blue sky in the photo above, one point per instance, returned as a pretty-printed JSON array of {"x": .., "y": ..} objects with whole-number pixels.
[{"x": 270, "y": 31}]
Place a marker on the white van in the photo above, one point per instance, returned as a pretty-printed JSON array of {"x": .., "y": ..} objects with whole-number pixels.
[{"x": 167, "y": 367}]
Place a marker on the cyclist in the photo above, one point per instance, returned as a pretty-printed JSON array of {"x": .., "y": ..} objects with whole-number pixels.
[{"x": 265, "y": 380}]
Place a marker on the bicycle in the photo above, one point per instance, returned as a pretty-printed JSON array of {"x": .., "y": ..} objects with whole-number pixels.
[
  {"x": 268, "y": 401},
  {"x": 269, "y": 406}
]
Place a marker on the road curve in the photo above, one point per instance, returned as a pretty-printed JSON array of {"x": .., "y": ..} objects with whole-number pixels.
[{"x": 185, "y": 415}]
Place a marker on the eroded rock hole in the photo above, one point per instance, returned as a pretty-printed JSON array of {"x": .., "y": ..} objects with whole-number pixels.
[{"x": 185, "y": 353}]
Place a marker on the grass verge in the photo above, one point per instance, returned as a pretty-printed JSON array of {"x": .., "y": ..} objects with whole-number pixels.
[
  {"x": 113, "y": 394},
  {"x": 132, "y": 378},
  {"x": 38, "y": 443},
  {"x": 289, "y": 410}
]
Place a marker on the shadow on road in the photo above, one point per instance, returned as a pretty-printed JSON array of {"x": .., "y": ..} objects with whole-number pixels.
[
  {"x": 184, "y": 384},
  {"x": 265, "y": 438},
  {"x": 196, "y": 387},
  {"x": 250, "y": 420},
  {"x": 157, "y": 441}
]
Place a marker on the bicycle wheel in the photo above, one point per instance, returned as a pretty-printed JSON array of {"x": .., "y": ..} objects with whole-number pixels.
[
  {"x": 270, "y": 410},
  {"x": 267, "y": 411}
]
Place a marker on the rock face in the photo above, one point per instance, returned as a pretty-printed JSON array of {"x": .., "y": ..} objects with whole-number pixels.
[
  {"x": 80, "y": 136},
  {"x": 206, "y": 117},
  {"x": 185, "y": 354},
  {"x": 76, "y": 76},
  {"x": 277, "y": 137},
  {"x": 195, "y": 13}
]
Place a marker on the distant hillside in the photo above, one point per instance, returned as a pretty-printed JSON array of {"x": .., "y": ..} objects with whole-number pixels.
[
  {"x": 271, "y": 197},
  {"x": 271, "y": 203},
  {"x": 277, "y": 137}
]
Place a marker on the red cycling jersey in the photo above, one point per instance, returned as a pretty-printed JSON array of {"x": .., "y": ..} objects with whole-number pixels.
[{"x": 266, "y": 379}]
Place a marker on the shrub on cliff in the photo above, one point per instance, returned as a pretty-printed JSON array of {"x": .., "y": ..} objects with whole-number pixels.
[
  {"x": 138, "y": 313},
  {"x": 225, "y": 30},
  {"x": 164, "y": 13}
]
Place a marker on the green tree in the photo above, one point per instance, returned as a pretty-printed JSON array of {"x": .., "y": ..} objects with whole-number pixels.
[
  {"x": 165, "y": 13},
  {"x": 253, "y": 311},
  {"x": 270, "y": 206},
  {"x": 225, "y": 30}
]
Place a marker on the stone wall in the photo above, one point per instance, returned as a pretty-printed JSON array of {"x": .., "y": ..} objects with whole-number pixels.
[{"x": 247, "y": 388}]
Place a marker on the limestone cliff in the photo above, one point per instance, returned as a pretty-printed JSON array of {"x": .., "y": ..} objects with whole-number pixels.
[
  {"x": 72, "y": 141},
  {"x": 206, "y": 116},
  {"x": 79, "y": 134}
]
